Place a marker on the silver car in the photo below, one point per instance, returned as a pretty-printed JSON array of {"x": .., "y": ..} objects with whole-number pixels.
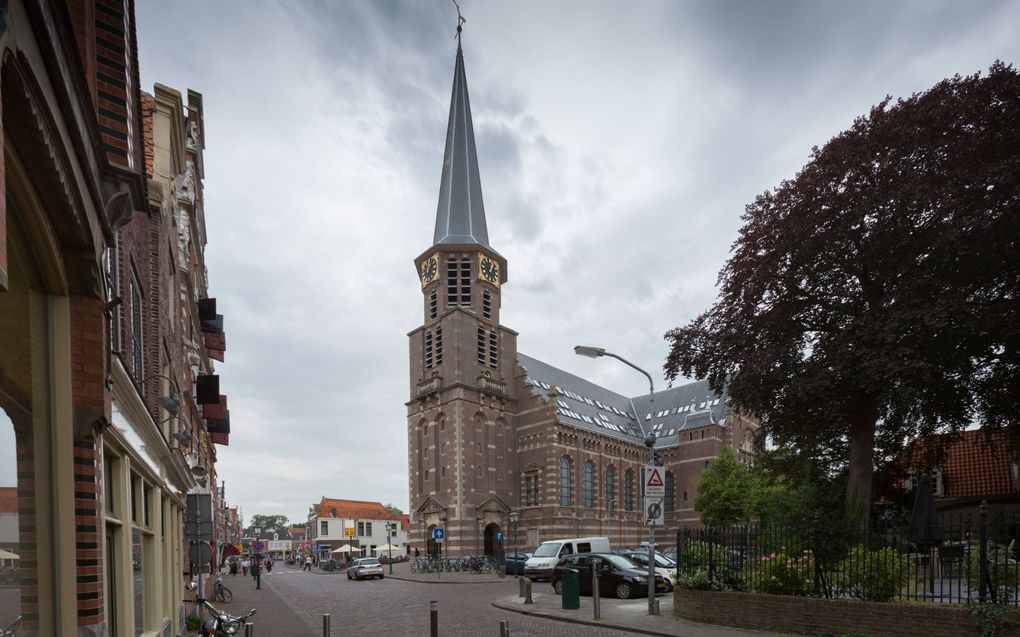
[{"x": 365, "y": 567}]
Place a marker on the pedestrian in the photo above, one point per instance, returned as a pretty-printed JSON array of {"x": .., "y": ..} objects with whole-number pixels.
[
  {"x": 233, "y": 566},
  {"x": 269, "y": 565},
  {"x": 416, "y": 552},
  {"x": 245, "y": 565},
  {"x": 308, "y": 564}
]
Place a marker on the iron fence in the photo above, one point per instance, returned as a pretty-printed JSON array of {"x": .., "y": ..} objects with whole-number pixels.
[{"x": 962, "y": 559}]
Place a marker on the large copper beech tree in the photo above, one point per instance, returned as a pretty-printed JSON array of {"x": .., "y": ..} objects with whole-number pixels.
[{"x": 873, "y": 297}]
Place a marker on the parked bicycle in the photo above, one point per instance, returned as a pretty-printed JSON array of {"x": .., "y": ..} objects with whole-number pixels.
[
  {"x": 219, "y": 624},
  {"x": 221, "y": 593},
  {"x": 12, "y": 629}
]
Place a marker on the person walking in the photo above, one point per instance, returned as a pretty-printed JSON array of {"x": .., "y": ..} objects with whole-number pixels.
[
  {"x": 245, "y": 565},
  {"x": 269, "y": 565},
  {"x": 308, "y": 564}
]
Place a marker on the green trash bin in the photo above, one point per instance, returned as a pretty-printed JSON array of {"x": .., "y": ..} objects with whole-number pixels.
[{"x": 570, "y": 584}]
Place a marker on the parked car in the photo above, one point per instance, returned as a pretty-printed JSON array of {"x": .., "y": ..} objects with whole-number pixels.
[
  {"x": 618, "y": 576},
  {"x": 365, "y": 567},
  {"x": 670, "y": 553},
  {"x": 663, "y": 565},
  {"x": 515, "y": 562}
]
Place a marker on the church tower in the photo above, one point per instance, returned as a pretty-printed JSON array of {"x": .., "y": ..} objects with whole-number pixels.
[{"x": 461, "y": 459}]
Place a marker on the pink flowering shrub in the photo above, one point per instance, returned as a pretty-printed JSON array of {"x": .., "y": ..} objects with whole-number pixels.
[{"x": 781, "y": 573}]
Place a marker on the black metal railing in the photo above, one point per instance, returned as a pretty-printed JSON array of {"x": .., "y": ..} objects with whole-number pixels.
[{"x": 961, "y": 559}]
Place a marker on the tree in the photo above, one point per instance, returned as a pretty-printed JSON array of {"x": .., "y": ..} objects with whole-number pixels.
[
  {"x": 873, "y": 297},
  {"x": 393, "y": 509},
  {"x": 727, "y": 491},
  {"x": 268, "y": 522}
]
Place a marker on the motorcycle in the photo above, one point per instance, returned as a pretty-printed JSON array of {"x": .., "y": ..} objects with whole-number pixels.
[{"x": 219, "y": 624}]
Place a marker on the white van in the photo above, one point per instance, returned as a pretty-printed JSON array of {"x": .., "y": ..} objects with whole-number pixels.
[{"x": 540, "y": 564}]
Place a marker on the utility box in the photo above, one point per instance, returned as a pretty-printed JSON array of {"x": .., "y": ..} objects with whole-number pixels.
[
  {"x": 570, "y": 585},
  {"x": 198, "y": 518}
]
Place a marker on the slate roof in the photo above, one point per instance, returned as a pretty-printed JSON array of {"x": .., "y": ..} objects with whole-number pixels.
[
  {"x": 460, "y": 217},
  {"x": 585, "y": 405}
]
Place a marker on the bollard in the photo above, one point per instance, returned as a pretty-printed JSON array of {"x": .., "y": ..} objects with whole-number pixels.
[
  {"x": 520, "y": 587},
  {"x": 504, "y": 629},
  {"x": 527, "y": 592},
  {"x": 433, "y": 619},
  {"x": 325, "y": 625},
  {"x": 596, "y": 600},
  {"x": 249, "y": 629}
]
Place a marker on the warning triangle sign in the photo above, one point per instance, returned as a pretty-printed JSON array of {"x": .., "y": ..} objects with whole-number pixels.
[{"x": 654, "y": 479}]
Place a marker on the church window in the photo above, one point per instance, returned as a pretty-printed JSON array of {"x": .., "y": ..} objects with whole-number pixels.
[
  {"x": 610, "y": 485},
  {"x": 565, "y": 495},
  {"x": 527, "y": 490},
  {"x": 439, "y": 346},
  {"x": 444, "y": 472},
  {"x": 670, "y": 503},
  {"x": 465, "y": 281},
  {"x": 433, "y": 305},
  {"x": 685, "y": 496},
  {"x": 487, "y": 304},
  {"x": 493, "y": 349},
  {"x": 481, "y": 345},
  {"x": 430, "y": 361},
  {"x": 628, "y": 490},
  {"x": 588, "y": 485}
]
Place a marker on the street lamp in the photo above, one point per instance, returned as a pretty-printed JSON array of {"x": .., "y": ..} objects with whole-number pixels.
[
  {"x": 389, "y": 543},
  {"x": 597, "y": 352},
  {"x": 609, "y": 518},
  {"x": 513, "y": 526}
]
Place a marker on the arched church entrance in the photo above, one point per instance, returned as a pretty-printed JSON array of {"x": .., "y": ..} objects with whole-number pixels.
[{"x": 492, "y": 545}]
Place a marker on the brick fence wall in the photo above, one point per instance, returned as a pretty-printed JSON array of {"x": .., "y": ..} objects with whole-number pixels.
[{"x": 813, "y": 616}]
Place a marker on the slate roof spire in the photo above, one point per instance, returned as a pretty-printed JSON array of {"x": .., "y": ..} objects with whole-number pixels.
[{"x": 460, "y": 218}]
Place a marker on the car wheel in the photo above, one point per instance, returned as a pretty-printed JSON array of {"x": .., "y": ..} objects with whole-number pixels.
[
  {"x": 381, "y": 576},
  {"x": 348, "y": 576},
  {"x": 558, "y": 586},
  {"x": 623, "y": 590}
]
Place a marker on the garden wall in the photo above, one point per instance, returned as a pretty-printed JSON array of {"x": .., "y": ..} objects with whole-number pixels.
[{"x": 815, "y": 616}]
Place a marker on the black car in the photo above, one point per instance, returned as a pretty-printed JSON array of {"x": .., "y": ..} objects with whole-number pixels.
[
  {"x": 515, "y": 562},
  {"x": 618, "y": 576}
]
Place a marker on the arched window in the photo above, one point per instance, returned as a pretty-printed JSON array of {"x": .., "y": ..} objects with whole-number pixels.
[
  {"x": 610, "y": 485},
  {"x": 564, "y": 482},
  {"x": 628, "y": 490},
  {"x": 670, "y": 504},
  {"x": 588, "y": 486}
]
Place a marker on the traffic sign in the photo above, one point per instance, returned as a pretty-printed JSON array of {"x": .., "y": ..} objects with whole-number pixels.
[
  {"x": 258, "y": 546},
  {"x": 200, "y": 552},
  {"x": 349, "y": 532},
  {"x": 655, "y": 486},
  {"x": 654, "y": 514},
  {"x": 499, "y": 536},
  {"x": 438, "y": 534}
]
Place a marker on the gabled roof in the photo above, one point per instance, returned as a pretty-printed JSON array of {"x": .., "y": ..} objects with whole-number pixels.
[
  {"x": 354, "y": 510},
  {"x": 585, "y": 405},
  {"x": 976, "y": 464},
  {"x": 460, "y": 217}
]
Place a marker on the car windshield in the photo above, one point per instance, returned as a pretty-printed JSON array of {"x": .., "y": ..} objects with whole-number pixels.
[
  {"x": 618, "y": 561},
  {"x": 549, "y": 549},
  {"x": 662, "y": 560}
]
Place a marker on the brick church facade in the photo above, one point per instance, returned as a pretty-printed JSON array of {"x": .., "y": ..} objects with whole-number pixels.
[{"x": 492, "y": 431}]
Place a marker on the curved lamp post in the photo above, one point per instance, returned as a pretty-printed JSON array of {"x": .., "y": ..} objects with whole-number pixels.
[{"x": 597, "y": 352}]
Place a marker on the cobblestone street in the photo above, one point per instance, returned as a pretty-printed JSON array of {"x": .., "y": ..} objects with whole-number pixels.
[{"x": 386, "y": 607}]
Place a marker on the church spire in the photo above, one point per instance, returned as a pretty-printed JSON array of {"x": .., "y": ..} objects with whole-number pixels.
[{"x": 460, "y": 218}]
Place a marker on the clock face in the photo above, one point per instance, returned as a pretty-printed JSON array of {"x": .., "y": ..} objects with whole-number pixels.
[
  {"x": 488, "y": 270},
  {"x": 429, "y": 270}
]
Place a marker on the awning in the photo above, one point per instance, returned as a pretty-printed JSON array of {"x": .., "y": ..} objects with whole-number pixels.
[{"x": 231, "y": 549}]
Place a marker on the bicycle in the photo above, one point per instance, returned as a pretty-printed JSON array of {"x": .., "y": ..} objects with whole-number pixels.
[
  {"x": 12, "y": 629},
  {"x": 221, "y": 593}
]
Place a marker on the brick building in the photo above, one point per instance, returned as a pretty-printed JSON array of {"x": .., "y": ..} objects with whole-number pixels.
[
  {"x": 106, "y": 333},
  {"x": 492, "y": 431}
]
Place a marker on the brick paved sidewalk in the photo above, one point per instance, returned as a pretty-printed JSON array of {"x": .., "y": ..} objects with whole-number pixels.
[
  {"x": 275, "y": 616},
  {"x": 630, "y": 615}
]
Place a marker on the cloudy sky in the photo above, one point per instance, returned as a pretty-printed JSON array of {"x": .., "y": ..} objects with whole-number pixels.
[{"x": 618, "y": 144}]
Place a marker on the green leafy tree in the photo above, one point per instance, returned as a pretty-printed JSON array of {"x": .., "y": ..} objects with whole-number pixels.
[
  {"x": 873, "y": 297},
  {"x": 268, "y": 522},
  {"x": 727, "y": 491},
  {"x": 394, "y": 510}
]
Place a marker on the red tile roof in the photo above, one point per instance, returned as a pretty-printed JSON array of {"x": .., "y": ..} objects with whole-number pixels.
[
  {"x": 8, "y": 499},
  {"x": 977, "y": 464},
  {"x": 354, "y": 510}
]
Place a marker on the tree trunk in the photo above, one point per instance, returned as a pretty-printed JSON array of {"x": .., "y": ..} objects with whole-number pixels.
[{"x": 861, "y": 466}]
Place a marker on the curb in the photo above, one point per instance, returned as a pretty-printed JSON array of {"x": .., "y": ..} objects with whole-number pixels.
[{"x": 584, "y": 622}]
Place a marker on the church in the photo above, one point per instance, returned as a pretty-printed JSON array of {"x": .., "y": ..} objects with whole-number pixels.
[{"x": 505, "y": 451}]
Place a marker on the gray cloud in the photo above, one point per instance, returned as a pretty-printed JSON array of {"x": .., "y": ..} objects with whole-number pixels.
[{"x": 618, "y": 146}]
